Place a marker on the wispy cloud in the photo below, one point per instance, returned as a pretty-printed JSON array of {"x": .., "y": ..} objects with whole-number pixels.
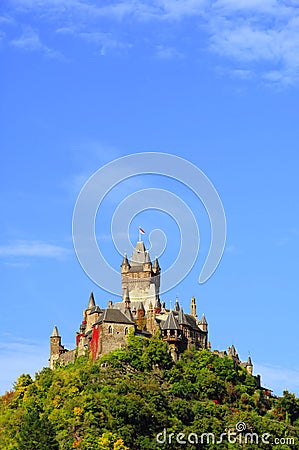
[
  {"x": 20, "y": 355},
  {"x": 30, "y": 41},
  {"x": 166, "y": 52},
  {"x": 104, "y": 41},
  {"x": 33, "y": 249},
  {"x": 252, "y": 37}
]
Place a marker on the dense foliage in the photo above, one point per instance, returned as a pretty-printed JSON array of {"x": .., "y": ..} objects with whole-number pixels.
[{"x": 130, "y": 396}]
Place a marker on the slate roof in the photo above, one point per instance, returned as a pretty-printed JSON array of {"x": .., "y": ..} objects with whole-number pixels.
[
  {"x": 113, "y": 315},
  {"x": 139, "y": 254},
  {"x": 170, "y": 323},
  {"x": 91, "y": 302},
  {"x": 182, "y": 318},
  {"x": 95, "y": 309}
]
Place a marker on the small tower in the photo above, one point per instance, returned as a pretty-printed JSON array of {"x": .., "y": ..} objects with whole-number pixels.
[
  {"x": 249, "y": 366},
  {"x": 193, "y": 307},
  {"x": 150, "y": 319},
  {"x": 176, "y": 305},
  {"x": 125, "y": 266},
  {"x": 127, "y": 298},
  {"x": 91, "y": 302},
  {"x": 147, "y": 265},
  {"x": 203, "y": 323},
  {"x": 55, "y": 346}
]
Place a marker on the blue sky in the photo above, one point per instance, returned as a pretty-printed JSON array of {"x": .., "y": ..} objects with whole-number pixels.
[{"x": 215, "y": 82}]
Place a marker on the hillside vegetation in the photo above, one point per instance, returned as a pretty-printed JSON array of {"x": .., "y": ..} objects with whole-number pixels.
[{"x": 131, "y": 396}]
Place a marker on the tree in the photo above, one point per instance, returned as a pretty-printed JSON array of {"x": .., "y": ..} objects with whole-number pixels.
[{"x": 36, "y": 433}]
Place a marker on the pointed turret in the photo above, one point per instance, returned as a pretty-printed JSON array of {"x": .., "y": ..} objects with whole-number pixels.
[
  {"x": 182, "y": 318},
  {"x": 249, "y": 366},
  {"x": 55, "y": 347},
  {"x": 55, "y": 332},
  {"x": 125, "y": 266},
  {"x": 127, "y": 298},
  {"x": 147, "y": 257},
  {"x": 125, "y": 260},
  {"x": 176, "y": 305},
  {"x": 91, "y": 302},
  {"x": 170, "y": 323},
  {"x": 139, "y": 254},
  {"x": 204, "y": 323},
  {"x": 156, "y": 266}
]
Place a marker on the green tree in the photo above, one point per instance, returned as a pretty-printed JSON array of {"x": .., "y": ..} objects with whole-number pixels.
[{"x": 36, "y": 433}]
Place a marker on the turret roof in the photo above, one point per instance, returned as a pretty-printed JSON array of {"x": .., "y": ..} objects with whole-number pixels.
[
  {"x": 55, "y": 332},
  {"x": 182, "y": 320},
  {"x": 176, "y": 305},
  {"x": 139, "y": 254},
  {"x": 91, "y": 302},
  {"x": 125, "y": 260},
  {"x": 203, "y": 319},
  {"x": 170, "y": 323},
  {"x": 114, "y": 315}
]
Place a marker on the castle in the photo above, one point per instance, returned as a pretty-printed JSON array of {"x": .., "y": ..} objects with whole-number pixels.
[{"x": 140, "y": 312}]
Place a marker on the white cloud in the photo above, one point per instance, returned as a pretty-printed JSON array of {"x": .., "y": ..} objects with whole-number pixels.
[
  {"x": 262, "y": 35},
  {"x": 165, "y": 52},
  {"x": 104, "y": 41},
  {"x": 33, "y": 249},
  {"x": 30, "y": 41}
]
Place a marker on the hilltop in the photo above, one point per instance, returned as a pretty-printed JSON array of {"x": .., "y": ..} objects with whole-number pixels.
[{"x": 127, "y": 398}]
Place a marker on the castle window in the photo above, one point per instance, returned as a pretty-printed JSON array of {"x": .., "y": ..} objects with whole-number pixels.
[
  {"x": 110, "y": 330},
  {"x": 126, "y": 331}
]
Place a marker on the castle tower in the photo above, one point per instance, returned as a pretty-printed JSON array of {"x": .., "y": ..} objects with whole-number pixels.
[
  {"x": 176, "y": 305},
  {"x": 125, "y": 266},
  {"x": 91, "y": 302},
  {"x": 203, "y": 323},
  {"x": 193, "y": 307},
  {"x": 150, "y": 319},
  {"x": 139, "y": 276},
  {"x": 55, "y": 346},
  {"x": 249, "y": 366}
]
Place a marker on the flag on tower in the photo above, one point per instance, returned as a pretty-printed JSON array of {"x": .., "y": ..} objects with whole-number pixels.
[{"x": 141, "y": 230}]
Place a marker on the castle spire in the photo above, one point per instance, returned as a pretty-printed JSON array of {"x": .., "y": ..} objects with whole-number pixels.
[
  {"x": 176, "y": 305},
  {"x": 125, "y": 260},
  {"x": 55, "y": 332},
  {"x": 127, "y": 298},
  {"x": 91, "y": 302},
  {"x": 156, "y": 266},
  {"x": 147, "y": 257},
  {"x": 204, "y": 323}
]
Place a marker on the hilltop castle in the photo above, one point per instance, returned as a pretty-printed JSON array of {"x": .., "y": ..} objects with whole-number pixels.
[{"x": 140, "y": 312}]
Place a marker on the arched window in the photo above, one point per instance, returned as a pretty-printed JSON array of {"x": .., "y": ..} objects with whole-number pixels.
[
  {"x": 126, "y": 331},
  {"x": 110, "y": 330}
]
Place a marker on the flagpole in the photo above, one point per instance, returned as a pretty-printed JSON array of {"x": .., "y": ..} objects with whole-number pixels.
[{"x": 139, "y": 234}]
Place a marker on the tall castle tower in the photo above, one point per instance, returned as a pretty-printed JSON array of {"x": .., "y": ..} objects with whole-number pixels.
[
  {"x": 140, "y": 277},
  {"x": 55, "y": 347}
]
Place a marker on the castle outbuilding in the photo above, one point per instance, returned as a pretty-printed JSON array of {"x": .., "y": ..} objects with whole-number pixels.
[{"x": 140, "y": 312}]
